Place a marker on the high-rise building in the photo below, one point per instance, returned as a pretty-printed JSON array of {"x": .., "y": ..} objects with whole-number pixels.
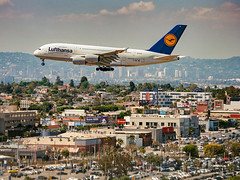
[
  {"x": 179, "y": 73},
  {"x": 165, "y": 71},
  {"x": 186, "y": 73},
  {"x": 176, "y": 73}
]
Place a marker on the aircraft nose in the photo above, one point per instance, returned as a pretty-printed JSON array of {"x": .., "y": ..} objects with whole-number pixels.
[{"x": 36, "y": 52}]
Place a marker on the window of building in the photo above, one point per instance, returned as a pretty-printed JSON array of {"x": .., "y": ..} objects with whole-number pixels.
[
  {"x": 168, "y": 124},
  {"x": 133, "y": 123},
  {"x": 155, "y": 124},
  {"x": 147, "y": 123},
  {"x": 140, "y": 123},
  {"x": 162, "y": 124},
  {"x": 175, "y": 124}
]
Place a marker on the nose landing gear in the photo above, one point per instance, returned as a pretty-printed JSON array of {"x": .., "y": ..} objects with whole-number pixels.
[{"x": 42, "y": 62}]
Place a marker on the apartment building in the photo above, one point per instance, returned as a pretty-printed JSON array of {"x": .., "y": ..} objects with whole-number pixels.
[
  {"x": 12, "y": 119},
  {"x": 166, "y": 99}
]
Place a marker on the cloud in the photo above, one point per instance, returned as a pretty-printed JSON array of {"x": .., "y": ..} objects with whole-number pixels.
[
  {"x": 13, "y": 14},
  {"x": 10, "y": 12},
  {"x": 228, "y": 12},
  {"x": 133, "y": 8},
  {"x": 6, "y": 2}
]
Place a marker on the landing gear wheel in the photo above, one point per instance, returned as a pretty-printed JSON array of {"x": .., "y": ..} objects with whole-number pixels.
[
  {"x": 97, "y": 69},
  {"x": 112, "y": 69},
  {"x": 42, "y": 62}
]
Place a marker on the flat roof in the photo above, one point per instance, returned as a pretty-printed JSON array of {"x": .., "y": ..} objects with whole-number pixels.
[
  {"x": 2, "y": 157},
  {"x": 67, "y": 139}
]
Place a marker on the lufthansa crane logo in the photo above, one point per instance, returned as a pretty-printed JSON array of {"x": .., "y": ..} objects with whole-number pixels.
[{"x": 170, "y": 39}]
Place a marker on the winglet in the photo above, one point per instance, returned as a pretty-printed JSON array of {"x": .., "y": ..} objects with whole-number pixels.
[{"x": 169, "y": 41}]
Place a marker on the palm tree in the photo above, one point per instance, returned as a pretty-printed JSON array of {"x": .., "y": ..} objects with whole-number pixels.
[
  {"x": 155, "y": 144},
  {"x": 119, "y": 142},
  {"x": 132, "y": 139},
  {"x": 109, "y": 139}
]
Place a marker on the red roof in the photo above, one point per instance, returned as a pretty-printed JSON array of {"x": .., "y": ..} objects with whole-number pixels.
[
  {"x": 6, "y": 97},
  {"x": 53, "y": 126}
]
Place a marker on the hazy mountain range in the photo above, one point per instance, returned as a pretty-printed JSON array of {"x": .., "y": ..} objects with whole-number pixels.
[{"x": 26, "y": 67}]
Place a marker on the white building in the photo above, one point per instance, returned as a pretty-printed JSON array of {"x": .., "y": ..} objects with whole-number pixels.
[
  {"x": 165, "y": 98},
  {"x": 74, "y": 112},
  {"x": 181, "y": 124},
  {"x": 233, "y": 106}
]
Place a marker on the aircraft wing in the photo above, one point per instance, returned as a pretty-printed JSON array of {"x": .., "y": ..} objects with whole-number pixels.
[{"x": 108, "y": 57}]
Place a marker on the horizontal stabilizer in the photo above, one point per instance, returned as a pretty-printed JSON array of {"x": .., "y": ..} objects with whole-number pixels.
[{"x": 168, "y": 58}]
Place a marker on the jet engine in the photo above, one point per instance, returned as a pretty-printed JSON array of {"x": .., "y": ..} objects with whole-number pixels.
[
  {"x": 92, "y": 59},
  {"x": 78, "y": 60}
]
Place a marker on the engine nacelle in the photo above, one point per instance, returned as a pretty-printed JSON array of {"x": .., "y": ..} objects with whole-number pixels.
[
  {"x": 92, "y": 59},
  {"x": 78, "y": 60}
]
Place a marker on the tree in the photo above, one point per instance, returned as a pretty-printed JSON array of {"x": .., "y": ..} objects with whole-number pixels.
[
  {"x": 213, "y": 149},
  {"x": 119, "y": 142},
  {"x": 132, "y": 139},
  {"x": 155, "y": 144},
  {"x": 71, "y": 83},
  {"x": 132, "y": 86},
  {"x": 191, "y": 150},
  {"x": 223, "y": 124},
  {"x": 84, "y": 79},
  {"x": 132, "y": 149},
  {"x": 45, "y": 82},
  {"x": 193, "y": 87},
  {"x": 235, "y": 148},
  {"x": 147, "y": 86},
  {"x": 115, "y": 160},
  {"x": 53, "y": 153},
  {"x": 122, "y": 114},
  {"x": 122, "y": 164},
  {"x": 65, "y": 153},
  {"x": 191, "y": 130},
  {"x": 58, "y": 81},
  {"x": 64, "y": 127},
  {"x": 154, "y": 160}
]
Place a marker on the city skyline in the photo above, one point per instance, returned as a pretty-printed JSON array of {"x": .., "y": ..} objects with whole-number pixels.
[{"x": 213, "y": 26}]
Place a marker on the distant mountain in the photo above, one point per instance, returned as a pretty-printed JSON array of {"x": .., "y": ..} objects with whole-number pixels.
[{"x": 26, "y": 67}]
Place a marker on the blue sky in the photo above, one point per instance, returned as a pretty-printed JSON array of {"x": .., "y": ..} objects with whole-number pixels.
[{"x": 212, "y": 32}]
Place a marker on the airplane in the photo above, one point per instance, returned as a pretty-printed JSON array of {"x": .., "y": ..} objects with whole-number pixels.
[{"x": 107, "y": 57}]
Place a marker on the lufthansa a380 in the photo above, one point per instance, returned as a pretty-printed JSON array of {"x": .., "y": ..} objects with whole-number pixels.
[{"x": 107, "y": 57}]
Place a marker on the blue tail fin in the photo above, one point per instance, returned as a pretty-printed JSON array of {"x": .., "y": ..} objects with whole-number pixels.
[{"x": 169, "y": 41}]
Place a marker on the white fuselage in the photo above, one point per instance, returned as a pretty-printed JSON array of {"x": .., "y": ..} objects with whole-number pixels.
[{"x": 129, "y": 57}]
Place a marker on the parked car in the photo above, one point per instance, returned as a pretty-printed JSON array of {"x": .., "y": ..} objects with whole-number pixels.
[
  {"x": 80, "y": 170},
  {"x": 62, "y": 173},
  {"x": 42, "y": 178},
  {"x": 13, "y": 171}
]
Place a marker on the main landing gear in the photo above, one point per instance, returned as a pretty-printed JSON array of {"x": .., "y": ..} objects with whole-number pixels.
[
  {"x": 104, "y": 68},
  {"x": 42, "y": 62}
]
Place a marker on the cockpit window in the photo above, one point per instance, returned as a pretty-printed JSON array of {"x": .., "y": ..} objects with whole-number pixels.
[{"x": 39, "y": 48}]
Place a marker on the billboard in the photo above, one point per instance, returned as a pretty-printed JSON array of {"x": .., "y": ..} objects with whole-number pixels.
[
  {"x": 96, "y": 120},
  {"x": 183, "y": 105},
  {"x": 121, "y": 121},
  {"x": 218, "y": 104},
  {"x": 202, "y": 106},
  {"x": 167, "y": 129}
]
